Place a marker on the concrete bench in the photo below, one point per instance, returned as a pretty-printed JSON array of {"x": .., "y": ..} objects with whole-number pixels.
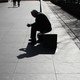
[{"x": 48, "y": 40}]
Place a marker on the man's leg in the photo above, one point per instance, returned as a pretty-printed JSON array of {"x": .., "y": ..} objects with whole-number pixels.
[
  {"x": 14, "y": 3},
  {"x": 33, "y": 34},
  {"x": 18, "y": 3}
]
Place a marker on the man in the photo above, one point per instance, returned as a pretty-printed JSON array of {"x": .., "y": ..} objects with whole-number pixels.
[
  {"x": 41, "y": 24},
  {"x": 18, "y": 2}
]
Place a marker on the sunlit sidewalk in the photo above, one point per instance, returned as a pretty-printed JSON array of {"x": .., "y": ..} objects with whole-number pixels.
[
  {"x": 66, "y": 59},
  {"x": 14, "y": 35}
]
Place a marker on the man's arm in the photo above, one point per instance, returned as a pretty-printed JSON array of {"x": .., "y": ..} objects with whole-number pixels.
[{"x": 33, "y": 24}]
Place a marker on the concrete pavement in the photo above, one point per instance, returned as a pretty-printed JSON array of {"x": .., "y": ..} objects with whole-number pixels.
[{"x": 14, "y": 35}]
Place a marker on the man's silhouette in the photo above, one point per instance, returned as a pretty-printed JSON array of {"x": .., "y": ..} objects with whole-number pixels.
[
  {"x": 14, "y": 3},
  {"x": 41, "y": 24}
]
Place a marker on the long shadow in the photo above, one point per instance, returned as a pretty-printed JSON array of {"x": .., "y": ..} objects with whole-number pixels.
[
  {"x": 13, "y": 7},
  {"x": 31, "y": 50}
]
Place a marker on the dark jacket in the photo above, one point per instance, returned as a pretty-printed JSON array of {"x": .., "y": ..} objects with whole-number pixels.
[{"x": 42, "y": 23}]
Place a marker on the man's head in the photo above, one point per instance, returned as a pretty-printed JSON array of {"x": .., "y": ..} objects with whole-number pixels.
[{"x": 34, "y": 13}]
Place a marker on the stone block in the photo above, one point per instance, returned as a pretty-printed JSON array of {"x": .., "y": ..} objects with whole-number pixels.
[{"x": 48, "y": 40}]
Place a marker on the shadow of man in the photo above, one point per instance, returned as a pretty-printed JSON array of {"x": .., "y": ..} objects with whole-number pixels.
[{"x": 31, "y": 50}]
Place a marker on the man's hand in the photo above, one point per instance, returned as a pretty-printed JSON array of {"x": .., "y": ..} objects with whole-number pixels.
[{"x": 28, "y": 25}]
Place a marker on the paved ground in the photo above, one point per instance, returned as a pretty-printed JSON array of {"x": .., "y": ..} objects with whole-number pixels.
[
  {"x": 69, "y": 22},
  {"x": 63, "y": 65}
]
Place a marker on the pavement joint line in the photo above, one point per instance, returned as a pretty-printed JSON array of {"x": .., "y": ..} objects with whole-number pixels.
[{"x": 70, "y": 32}]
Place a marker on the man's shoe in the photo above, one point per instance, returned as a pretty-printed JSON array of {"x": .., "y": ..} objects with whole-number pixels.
[
  {"x": 18, "y": 5},
  {"x": 30, "y": 39},
  {"x": 32, "y": 42}
]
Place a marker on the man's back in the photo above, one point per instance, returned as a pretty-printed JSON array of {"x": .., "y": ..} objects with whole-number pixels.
[{"x": 43, "y": 23}]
